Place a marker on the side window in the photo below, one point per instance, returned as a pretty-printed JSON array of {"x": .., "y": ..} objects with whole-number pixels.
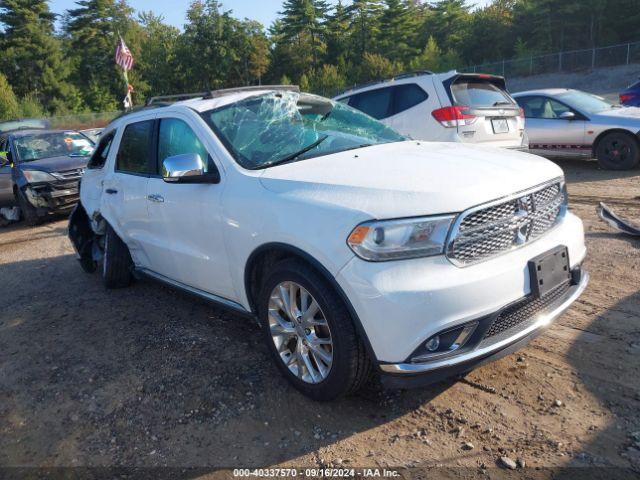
[
  {"x": 556, "y": 108},
  {"x": 375, "y": 103},
  {"x": 408, "y": 96},
  {"x": 99, "y": 157},
  {"x": 135, "y": 148},
  {"x": 177, "y": 138},
  {"x": 532, "y": 106}
]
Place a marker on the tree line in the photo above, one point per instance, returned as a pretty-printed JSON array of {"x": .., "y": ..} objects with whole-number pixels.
[{"x": 320, "y": 46}]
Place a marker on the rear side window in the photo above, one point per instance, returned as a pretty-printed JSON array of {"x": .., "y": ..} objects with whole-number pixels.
[
  {"x": 375, "y": 103},
  {"x": 135, "y": 148},
  {"x": 99, "y": 157},
  {"x": 408, "y": 96},
  {"x": 478, "y": 93}
]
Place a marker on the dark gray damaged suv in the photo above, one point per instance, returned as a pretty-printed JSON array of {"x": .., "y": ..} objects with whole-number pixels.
[{"x": 40, "y": 170}]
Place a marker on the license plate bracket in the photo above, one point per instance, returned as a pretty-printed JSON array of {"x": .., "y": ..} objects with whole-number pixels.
[
  {"x": 549, "y": 270},
  {"x": 500, "y": 125}
]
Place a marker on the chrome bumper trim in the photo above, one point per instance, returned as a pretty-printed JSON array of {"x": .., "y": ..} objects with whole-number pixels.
[{"x": 543, "y": 320}]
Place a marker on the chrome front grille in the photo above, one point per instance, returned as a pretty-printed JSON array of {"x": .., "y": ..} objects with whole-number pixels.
[
  {"x": 74, "y": 174},
  {"x": 489, "y": 230}
]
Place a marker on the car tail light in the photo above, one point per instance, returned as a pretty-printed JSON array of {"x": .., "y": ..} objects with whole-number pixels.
[
  {"x": 451, "y": 117},
  {"x": 627, "y": 97},
  {"x": 521, "y": 113}
]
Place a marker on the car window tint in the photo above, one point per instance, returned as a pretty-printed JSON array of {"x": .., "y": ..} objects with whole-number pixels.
[
  {"x": 408, "y": 96},
  {"x": 558, "y": 108},
  {"x": 99, "y": 157},
  {"x": 478, "y": 93},
  {"x": 375, "y": 103},
  {"x": 135, "y": 148},
  {"x": 543, "y": 107},
  {"x": 177, "y": 138},
  {"x": 532, "y": 106}
]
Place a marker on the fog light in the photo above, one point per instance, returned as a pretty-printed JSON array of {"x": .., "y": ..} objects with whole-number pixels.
[{"x": 433, "y": 343}]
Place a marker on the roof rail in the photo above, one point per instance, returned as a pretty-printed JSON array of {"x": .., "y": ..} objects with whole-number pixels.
[
  {"x": 253, "y": 88},
  {"x": 174, "y": 98},
  {"x": 160, "y": 99},
  {"x": 400, "y": 76}
]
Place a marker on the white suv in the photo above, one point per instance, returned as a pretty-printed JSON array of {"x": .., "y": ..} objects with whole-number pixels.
[
  {"x": 445, "y": 107},
  {"x": 357, "y": 250}
]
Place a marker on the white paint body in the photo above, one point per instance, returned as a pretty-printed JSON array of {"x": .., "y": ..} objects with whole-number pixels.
[{"x": 202, "y": 235}]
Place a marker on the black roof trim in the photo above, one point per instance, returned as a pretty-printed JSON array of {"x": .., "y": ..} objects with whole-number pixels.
[{"x": 401, "y": 76}]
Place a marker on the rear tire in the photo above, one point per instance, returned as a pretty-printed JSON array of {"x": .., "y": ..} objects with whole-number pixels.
[
  {"x": 28, "y": 211},
  {"x": 350, "y": 366},
  {"x": 116, "y": 263},
  {"x": 618, "y": 151}
]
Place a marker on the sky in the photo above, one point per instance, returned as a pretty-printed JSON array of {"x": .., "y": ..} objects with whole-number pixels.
[{"x": 174, "y": 11}]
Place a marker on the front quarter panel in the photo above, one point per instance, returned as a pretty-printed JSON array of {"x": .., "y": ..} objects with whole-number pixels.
[{"x": 255, "y": 216}]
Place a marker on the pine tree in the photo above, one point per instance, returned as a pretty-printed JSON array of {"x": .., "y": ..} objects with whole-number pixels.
[
  {"x": 93, "y": 30},
  {"x": 32, "y": 58},
  {"x": 303, "y": 22},
  {"x": 337, "y": 34},
  {"x": 364, "y": 27},
  {"x": 398, "y": 31}
]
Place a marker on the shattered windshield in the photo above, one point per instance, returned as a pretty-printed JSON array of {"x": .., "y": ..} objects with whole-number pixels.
[
  {"x": 282, "y": 127},
  {"x": 56, "y": 144}
]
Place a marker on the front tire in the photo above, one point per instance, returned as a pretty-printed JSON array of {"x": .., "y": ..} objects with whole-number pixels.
[
  {"x": 310, "y": 333},
  {"x": 116, "y": 263},
  {"x": 29, "y": 212},
  {"x": 618, "y": 151}
]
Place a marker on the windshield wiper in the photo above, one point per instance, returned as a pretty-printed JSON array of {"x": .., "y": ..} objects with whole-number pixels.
[
  {"x": 295, "y": 155},
  {"x": 502, "y": 102}
]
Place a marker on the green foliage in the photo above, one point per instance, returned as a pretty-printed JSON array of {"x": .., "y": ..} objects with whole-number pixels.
[
  {"x": 31, "y": 107},
  {"x": 327, "y": 81},
  {"x": 32, "y": 57},
  {"x": 9, "y": 107},
  {"x": 324, "y": 45}
]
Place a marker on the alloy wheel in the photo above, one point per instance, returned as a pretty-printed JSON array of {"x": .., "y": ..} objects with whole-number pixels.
[
  {"x": 616, "y": 150},
  {"x": 300, "y": 332}
]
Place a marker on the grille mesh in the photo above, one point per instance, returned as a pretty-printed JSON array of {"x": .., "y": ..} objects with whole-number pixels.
[
  {"x": 524, "y": 310},
  {"x": 493, "y": 230}
]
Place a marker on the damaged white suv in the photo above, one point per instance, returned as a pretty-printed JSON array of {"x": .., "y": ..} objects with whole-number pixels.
[{"x": 356, "y": 249}]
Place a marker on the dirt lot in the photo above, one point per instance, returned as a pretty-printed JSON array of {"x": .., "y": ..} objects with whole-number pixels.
[{"x": 150, "y": 377}]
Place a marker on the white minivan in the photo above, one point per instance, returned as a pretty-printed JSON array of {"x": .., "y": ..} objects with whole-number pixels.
[
  {"x": 445, "y": 107},
  {"x": 355, "y": 248}
]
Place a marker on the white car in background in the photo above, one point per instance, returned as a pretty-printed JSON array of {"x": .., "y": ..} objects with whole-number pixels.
[
  {"x": 355, "y": 248},
  {"x": 563, "y": 122},
  {"x": 445, "y": 107}
]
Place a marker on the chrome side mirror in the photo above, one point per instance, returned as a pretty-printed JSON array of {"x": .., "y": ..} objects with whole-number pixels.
[
  {"x": 179, "y": 167},
  {"x": 567, "y": 116}
]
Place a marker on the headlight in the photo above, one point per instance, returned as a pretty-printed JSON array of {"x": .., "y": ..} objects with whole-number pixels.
[
  {"x": 378, "y": 241},
  {"x": 36, "y": 176}
]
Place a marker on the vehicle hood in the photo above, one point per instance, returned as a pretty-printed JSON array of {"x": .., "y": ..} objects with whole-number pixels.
[
  {"x": 630, "y": 115},
  {"x": 410, "y": 178},
  {"x": 55, "y": 164}
]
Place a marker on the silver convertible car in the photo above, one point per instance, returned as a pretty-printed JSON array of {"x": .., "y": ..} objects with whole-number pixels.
[{"x": 565, "y": 122}]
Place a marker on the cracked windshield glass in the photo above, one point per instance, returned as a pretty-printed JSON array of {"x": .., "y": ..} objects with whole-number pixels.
[
  {"x": 48, "y": 145},
  {"x": 276, "y": 128}
]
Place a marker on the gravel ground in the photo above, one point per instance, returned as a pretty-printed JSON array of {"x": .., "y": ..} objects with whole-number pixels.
[{"x": 147, "y": 376}]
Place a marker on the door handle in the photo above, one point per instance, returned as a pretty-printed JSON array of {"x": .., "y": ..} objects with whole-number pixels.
[
  {"x": 155, "y": 198},
  {"x": 111, "y": 191}
]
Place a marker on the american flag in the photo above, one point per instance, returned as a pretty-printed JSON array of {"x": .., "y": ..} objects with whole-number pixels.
[{"x": 123, "y": 56}]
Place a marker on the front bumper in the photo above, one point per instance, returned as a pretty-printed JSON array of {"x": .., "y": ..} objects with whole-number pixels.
[
  {"x": 59, "y": 196},
  {"x": 401, "y": 304},
  {"x": 406, "y": 375}
]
